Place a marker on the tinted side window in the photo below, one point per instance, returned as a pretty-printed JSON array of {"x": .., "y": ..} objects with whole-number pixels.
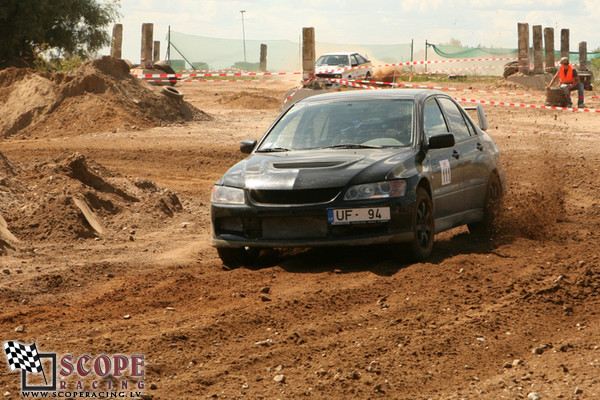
[
  {"x": 360, "y": 59},
  {"x": 353, "y": 60},
  {"x": 433, "y": 120},
  {"x": 457, "y": 122}
]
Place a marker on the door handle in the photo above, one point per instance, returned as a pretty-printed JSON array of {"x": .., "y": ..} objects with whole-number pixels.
[
  {"x": 455, "y": 154},
  {"x": 479, "y": 146}
]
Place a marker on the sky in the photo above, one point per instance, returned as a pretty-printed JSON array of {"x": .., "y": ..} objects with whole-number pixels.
[{"x": 472, "y": 22}]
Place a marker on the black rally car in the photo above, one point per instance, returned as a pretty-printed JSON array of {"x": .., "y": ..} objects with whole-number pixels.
[{"x": 359, "y": 168}]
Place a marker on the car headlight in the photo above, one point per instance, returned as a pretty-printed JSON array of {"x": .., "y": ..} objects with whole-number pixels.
[
  {"x": 377, "y": 190},
  {"x": 227, "y": 195}
]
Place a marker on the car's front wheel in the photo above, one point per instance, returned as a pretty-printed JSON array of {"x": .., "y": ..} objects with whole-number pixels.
[
  {"x": 493, "y": 197},
  {"x": 423, "y": 226},
  {"x": 234, "y": 257}
]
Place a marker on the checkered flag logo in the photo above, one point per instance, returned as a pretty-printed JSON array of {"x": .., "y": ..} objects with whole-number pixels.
[{"x": 23, "y": 357}]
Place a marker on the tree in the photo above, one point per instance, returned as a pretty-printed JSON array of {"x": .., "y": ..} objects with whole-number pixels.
[
  {"x": 453, "y": 42},
  {"x": 77, "y": 27}
]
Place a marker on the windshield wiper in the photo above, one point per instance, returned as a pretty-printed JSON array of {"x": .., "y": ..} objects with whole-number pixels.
[
  {"x": 351, "y": 146},
  {"x": 272, "y": 149}
]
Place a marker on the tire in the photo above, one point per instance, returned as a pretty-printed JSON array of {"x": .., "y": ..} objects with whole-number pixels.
[
  {"x": 234, "y": 257},
  {"x": 166, "y": 68},
  {"x": 163, "y": 66},
  {"x": 510, "y": 68},
  {"x": 368, "y": 76},
  {"x": 172, "y": 92},
  {"x": 493, "y": 198},
  {"x": 423, "y": 225}
]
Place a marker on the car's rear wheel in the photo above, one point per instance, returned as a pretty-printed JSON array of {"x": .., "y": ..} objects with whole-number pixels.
[
  {"x": 493, "y": 197},
  {"x": 423, "y": 226},
  {"x": 368, "y": 76},
  {"x": 234, "y": 257}
]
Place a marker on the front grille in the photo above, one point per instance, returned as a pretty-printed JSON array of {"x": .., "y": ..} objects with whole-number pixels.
[
  {"x": 304, "y": 196},
  {"x": 294, "y": 228}
]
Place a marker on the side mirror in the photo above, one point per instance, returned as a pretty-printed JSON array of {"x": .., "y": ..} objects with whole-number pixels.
[
  {"x": 441, "y": 141},
  {"x": 247, "y": 145}
]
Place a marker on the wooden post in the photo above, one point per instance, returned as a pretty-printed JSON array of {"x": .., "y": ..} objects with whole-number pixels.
[
  {"x": 147, "y": 33},
  {"x": 308, "y": 53},
  {"x": 156, "y": 51},
  {"x": 538, "y": 50},
  {"x": 583, "y": 56},
  {"x": 116, "y": 46},
  {"x": 523, "y": 31},
  {"x": 564, "y": 43},
  {"x": 549, "y": 48},
  {"x": 263, "y": 58}
]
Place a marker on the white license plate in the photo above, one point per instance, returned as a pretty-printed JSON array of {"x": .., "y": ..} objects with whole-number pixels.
[{"x": 341, "y": 216}]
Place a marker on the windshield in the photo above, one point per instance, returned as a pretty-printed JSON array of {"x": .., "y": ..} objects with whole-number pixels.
[
  {"x": 348, "y": 124},
  {"x": 337, "y": 60}
]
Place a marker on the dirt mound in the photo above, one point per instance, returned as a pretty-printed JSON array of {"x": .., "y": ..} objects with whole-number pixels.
[
  {"x": 502, "y": 83},
  {"x": 251, "y": 101},
  {"x": 99, "y": 96},
  {"x": 72, "y": 198}
]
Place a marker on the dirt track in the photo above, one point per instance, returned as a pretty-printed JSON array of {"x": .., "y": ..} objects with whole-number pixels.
[{"x": 337, "y": 324}]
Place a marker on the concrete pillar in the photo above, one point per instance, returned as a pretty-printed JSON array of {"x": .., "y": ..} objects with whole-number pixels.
[
  {"x": 564, "y": 43},
  {"x": 116, "y": 46},
  {"x": 583, "y": 56},
  {"x": 523, "y": 31},
  {"x": 156, "y": 51},
  {"x": 549, "y": 46},
  {"x": 308, "y": 52},
  {"x": 263, "y": 58},
  {"x": 147, "y": 33},
  {"x": 538, "y": 50}
]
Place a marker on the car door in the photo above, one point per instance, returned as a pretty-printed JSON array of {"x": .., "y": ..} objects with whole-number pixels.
[
  {"x": 471, "y": 155},
  {"x": 446, "y": 184}
]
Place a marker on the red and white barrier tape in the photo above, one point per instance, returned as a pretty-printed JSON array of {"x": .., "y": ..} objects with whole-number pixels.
[
  {"x": 493, "y": 103},
  {"x": 502, "y": 103},
  {"x": 424, "y": 63},
  {"x": 211, "y": 74},
  {"x": 219, "y": 80},
  {"x": 456, "y": 69},
  {"x": 308, "y": 81}
]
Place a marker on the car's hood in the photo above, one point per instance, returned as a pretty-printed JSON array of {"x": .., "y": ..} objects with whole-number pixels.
[{"x": 313, "y": 169}]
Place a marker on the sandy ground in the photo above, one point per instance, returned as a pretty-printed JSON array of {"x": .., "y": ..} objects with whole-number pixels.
[{"x": 345, "y": 323}]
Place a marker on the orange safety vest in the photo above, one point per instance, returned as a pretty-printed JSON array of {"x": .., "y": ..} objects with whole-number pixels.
[{"x": 565, "y": 76}]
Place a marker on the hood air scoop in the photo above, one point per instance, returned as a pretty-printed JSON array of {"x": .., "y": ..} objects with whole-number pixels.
[{"x": 308, "y": 164}]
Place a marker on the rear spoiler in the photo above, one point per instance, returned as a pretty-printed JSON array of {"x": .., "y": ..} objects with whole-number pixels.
[{"x": 483, "y": 122}]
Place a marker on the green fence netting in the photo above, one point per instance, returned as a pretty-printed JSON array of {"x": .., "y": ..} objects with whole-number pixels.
[
  {"x": 457, "y": 52},
  {"x": 187, "y": 51}
]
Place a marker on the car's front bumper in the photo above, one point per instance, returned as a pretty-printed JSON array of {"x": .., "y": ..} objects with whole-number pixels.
[{"x": 307, "y": 225}]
